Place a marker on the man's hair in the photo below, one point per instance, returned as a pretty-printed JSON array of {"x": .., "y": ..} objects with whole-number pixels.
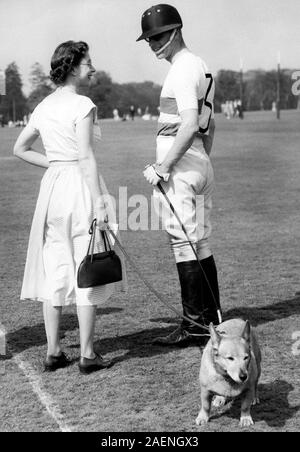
[{"x": 66, "y": 57}]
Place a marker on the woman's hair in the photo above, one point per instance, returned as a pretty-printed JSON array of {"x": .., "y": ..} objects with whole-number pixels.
[{"x": 65, "y": 58}]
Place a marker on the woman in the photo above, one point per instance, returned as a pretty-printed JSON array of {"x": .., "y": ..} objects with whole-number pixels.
[{"x": 71, "y": 194}]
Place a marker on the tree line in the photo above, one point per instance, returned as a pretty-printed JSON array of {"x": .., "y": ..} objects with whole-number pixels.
[
  {"x": 258, "y": 90},
  {"x": 105, "y": 93}
]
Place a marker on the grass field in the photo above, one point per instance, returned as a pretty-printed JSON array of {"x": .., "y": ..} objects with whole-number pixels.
[{"x": 256, "y": 244}]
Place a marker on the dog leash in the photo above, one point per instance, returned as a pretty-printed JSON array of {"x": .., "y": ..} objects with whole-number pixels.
[
  {"x": 149, "y": 285},
  {"x": 192, "y": 246}
]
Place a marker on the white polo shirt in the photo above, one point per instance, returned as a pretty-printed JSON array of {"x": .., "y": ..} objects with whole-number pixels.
[{"x": 188, "y": 85}]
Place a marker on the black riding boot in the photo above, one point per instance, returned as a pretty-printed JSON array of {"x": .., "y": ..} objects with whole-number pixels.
[
  {"x": 197, "y": 301},
  {"x": 192, "y": 295},
  {"x": 211, "y": 295}
]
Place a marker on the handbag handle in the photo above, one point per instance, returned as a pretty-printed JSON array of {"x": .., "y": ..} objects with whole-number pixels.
[
  {"x": 91, "y": 246},
  {"x": 106, "y": 241}
]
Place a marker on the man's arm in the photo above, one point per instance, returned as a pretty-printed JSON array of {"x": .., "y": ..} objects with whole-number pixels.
[
  {"x": 208, "y": 139},
  {"x": 183, "y": 141}
]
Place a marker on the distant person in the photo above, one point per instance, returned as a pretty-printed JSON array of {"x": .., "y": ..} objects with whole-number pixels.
[
  {"x": 240, "y": 109},
  {"x": 116, "y": 114},
  {"x": 184, "y": 142},
  {"x": 231, "y": 109},
  {"x": 132, "y": 112},
  {"x": 227, "y": 109},
  {"x": 146, "y": 116},
  {"x": 235, "y": 108},
  {"x": 72, "y": 194}
]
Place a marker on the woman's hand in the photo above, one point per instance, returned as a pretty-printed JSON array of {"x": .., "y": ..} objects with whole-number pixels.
[
  {"x": 101, "y": 215},
  {"x": 102, "y": 221}
]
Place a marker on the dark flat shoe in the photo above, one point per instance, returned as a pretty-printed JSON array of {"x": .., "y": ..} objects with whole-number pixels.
[
  {"x": 87, "y": 366},
  {"x": 53, "y": 363}
]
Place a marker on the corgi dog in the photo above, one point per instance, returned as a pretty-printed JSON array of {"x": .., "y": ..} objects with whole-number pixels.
[{"x": 230, "y": 367}]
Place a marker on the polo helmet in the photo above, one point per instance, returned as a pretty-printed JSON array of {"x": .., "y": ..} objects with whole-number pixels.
[{"x": 158, "y": 19}]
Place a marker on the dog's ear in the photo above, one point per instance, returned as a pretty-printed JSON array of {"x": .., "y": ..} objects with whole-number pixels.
[
  {"x": 246, "y": 332},
  {"x": 215, "y": 338}
]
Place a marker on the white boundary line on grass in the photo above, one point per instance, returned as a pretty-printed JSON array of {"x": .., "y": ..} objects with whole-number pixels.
[
  {"x": 2, "y": 340},
  {"x": 37, "y": 385}
]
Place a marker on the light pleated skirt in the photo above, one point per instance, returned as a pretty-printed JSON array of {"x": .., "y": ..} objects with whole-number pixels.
[{"x": 59, "y": 240}]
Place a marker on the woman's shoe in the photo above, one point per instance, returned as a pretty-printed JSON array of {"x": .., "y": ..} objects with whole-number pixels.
[
  {"x": 53, "y": 363},
  {"x": 87, "y": 366}
]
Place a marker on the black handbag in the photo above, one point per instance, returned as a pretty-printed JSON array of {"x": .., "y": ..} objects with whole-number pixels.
[{"x": 98, "y": 269}]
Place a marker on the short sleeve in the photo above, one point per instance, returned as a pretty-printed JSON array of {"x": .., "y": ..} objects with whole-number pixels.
[
  {"x": 85, "y": 105},
  {"x": 33, "y": 121},
  {"x": 186, "y": 88}
]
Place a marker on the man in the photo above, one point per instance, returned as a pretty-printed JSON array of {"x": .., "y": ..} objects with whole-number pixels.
[
  {"x": 184, "y": 141},
  {"x": 132, "y": 112}
]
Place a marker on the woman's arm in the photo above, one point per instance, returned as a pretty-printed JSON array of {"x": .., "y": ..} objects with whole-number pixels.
[
  {"x": 22, "y": 149},
  {"x": 88, "y": 165}
]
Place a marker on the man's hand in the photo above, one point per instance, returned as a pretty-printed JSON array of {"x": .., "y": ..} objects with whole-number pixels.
[{"x": 151, "y": 175}]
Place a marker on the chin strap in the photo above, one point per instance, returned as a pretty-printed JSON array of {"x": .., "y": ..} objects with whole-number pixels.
[{"x": 159, "y": 51}]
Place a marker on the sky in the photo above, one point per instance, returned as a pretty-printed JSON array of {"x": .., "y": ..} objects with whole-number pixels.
[{"x": 222, "y": 32}]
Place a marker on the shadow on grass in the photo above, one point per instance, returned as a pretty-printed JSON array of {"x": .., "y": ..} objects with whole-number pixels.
[
  {"x": 139, "y": 344},
  {"x": 265, "y": 314},
  {"x": 32, "y": 336},
  {"x": 136, "y": 344},
  {"x": 256, "y": 315},
  {"x": 274, "y": 407}
]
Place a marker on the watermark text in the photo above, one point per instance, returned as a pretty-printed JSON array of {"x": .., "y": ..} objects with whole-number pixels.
[
  {"x": 296, "y": 344},
  {"x": 296, "y": 84}
]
